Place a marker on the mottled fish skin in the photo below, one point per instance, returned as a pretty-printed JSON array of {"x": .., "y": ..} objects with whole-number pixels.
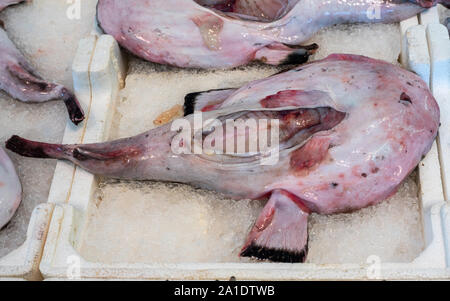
[
  {"x": 18, "y": 79},
  {"x": 10, "y": 189},
  {"x": 185, "y": 34},
  {"x": 360, "y": 126},
  {"x": 268, "y": 10},
  {"x": 392, "y": 120}
]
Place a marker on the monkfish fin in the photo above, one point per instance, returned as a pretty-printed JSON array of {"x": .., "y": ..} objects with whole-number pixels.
[
  {"x": 32, "y": 149},
  {"x": 205, "y": 101},
  {"x": 74, "y": 109},
  {"x": 281, "y": 232},
  {"x": 109, "y": 158},
  {"x": 32, "y": 85},
  {"x": 79, "y": 153},
  {"x": 280, "y": 54}
]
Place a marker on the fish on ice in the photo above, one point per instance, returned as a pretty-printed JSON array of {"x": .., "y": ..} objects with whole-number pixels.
[
  {"x": 227, "y": 34},
  {"x": 18, "y": 79},
  {"x": 351, "y": 129}
]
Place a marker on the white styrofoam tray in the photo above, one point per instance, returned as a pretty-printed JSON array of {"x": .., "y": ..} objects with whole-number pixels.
[
  {"x": 99, "y": 74},
  {"x": 24, "y": 262}
]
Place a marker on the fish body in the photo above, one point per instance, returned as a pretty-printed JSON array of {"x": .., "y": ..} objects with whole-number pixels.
[
  {"x": 198, "y": 34},
  {"x": 269, "y": 10},
  {"x": 10, "y": 189},
  {"x": 18, "y": 79},
  {"x": 351, "y": 130}
]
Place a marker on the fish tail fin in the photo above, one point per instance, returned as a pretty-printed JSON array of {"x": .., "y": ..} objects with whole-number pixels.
[
  {"x": 280, "y": 54},
  {"x": 29, "y": 87},
  {"x": 74, "y": 109},
  {"x": 32, "y": 149},
  {"x": 281, "y": 232}
]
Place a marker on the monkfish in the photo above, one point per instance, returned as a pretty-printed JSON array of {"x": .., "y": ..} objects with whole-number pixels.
[
  {"x": 18, "y": 79},
  {"x": 349, "y": 130},
  {"x": 230, "y": 33},
  {"x": 10, "y": 189}
]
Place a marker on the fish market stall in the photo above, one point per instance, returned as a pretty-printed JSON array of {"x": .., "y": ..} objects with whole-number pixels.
[
  {"x": 47, "y": 33},
  {"x": 72, "y": 224},
  {"x": 111, "y": 229}
]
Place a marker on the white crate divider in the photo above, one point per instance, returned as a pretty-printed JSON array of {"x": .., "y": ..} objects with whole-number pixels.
[{"x": 23, "y": 263}]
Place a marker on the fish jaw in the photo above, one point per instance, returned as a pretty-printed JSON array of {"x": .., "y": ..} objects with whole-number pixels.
[
  {"x": 17, "y": 78},
  {"x": 10, "y": 189},
  {"x": 281, "y": 230}
]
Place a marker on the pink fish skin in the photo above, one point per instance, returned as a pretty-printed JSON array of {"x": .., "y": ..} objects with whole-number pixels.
[
  {"x": 18, "y": 79},
  {"x": 351, "y": 130},
  {"x": 10, "y": 189},
  {"x": 186, "y": 34},
  {"x": 269, "y": 10}
]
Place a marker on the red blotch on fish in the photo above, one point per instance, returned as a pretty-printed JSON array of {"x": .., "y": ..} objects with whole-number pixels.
[
  {"x": 311, "y": 154},
  {"x": 292, "y": 98}
]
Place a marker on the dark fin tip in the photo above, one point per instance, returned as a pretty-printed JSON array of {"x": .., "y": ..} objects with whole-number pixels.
[
  {"x": 190, "y": 100},
  {"x": 311, "y": 48},
  {"x": 26, "y": 148},
  {"x": 295, "y": 58},
  {"x": 76, "y": 113},
  {"x": 189, "y": 103},
  {"x": 5, "y": 226},
  {"x": 275, "y": 255},
  {"x": 301, "y": 55}
]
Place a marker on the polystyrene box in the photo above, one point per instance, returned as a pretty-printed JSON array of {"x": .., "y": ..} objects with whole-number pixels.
[
  {"x": 23, "y": 263},
  {"x": 99, "y": 75}
]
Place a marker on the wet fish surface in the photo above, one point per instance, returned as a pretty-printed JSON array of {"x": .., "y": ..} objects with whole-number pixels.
[
  {"x": 226, "y": 34},
  {"x": 351, "y": 129},
  {"x": 18, "y": 79}
]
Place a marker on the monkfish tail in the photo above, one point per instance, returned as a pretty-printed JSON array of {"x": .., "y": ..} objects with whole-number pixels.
[
  {"x": 115, "y": 159},
  {"x": 32, "y": 149},
  {"x": 26, "y": 87}
]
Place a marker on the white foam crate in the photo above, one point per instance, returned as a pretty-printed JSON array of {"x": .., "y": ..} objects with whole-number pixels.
[
  {"x": 103, "y": 78},
  {"x": 23, "y": 263}
]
